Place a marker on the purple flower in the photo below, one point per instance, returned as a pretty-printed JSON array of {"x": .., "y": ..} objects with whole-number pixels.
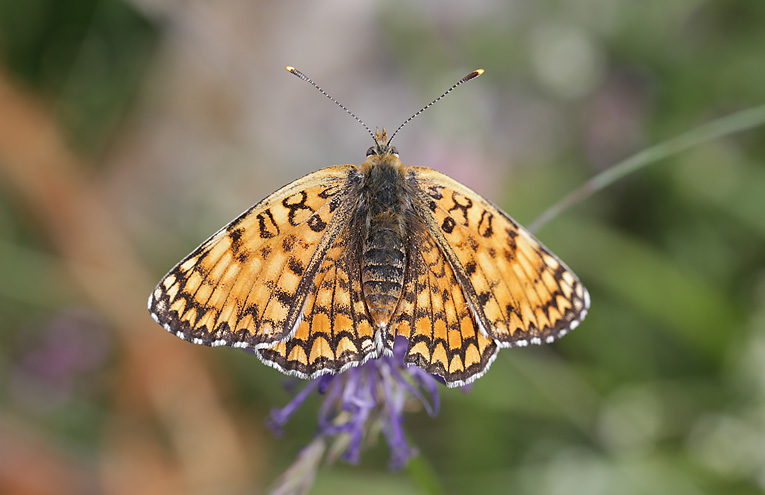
[{"x": 362, "y": 401}]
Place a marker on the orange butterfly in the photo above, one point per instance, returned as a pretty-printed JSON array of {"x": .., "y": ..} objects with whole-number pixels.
[{"x": 324, "y": 273}]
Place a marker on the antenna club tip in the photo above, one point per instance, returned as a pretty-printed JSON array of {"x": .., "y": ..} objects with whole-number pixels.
[
  {"x": 296, "y": 72},
  {"x": 473, "y": 74}
]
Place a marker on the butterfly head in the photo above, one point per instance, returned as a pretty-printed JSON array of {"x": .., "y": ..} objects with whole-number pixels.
[
  {"x": 382, "y": 154},
  {"x": 382, "y": 145}
]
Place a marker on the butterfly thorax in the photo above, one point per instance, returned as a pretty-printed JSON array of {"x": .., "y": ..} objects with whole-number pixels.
[{"x": 383, "y": 253}]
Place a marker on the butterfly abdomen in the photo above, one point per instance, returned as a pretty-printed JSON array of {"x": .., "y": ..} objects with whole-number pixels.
[
  {"x": 382, "y": 273},
  {"x": 384, "y": 256}
]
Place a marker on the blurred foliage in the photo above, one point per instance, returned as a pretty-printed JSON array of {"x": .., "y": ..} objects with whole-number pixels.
[
  {"x": 172, "y": 112},
  {"x": 85, "y": 57}
]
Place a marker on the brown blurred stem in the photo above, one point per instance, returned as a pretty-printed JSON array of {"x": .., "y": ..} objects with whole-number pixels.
[{"x": 168, "y": 376}]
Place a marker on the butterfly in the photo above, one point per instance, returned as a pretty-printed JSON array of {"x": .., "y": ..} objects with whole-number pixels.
[{"x": 327, "y": 271}]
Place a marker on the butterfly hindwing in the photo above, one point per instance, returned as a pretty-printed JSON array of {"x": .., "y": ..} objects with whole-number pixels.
[
  {"x": 335, "y": 331},
  {"x": 518, "y": 291},
  {"x": 434, "y": 316},
  {"x": 247, "y": 285}
]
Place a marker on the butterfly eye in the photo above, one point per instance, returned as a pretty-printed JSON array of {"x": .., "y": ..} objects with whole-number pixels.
[
  {"x": 371, "y": 151},
  {"x": 393, "y": 150}
]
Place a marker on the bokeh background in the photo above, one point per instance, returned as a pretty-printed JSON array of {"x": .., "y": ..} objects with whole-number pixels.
[{"x": 131, "y": 130}]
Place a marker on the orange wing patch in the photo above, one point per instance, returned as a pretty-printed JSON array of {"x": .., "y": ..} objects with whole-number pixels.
[
  {"x": 434, "y": 316},
  {"x": 518, "y": 291},
  {"x": 247, "y": 285}
]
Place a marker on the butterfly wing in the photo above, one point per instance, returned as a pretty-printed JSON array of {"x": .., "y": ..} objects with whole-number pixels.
[
  {"x": 250, "y": 283},
  {"x": 434, "y": 316},
  {"x": 517, "y": 290},
  {"x": 335, "y": 332}
]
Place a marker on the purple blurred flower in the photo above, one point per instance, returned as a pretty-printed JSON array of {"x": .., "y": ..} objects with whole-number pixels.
[
  {"x": 364, "y": 400},
  {"x": 57, "y": 360}
]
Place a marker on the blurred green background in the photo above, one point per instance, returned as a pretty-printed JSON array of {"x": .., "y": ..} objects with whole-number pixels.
[{"x": 130, "y": 131}]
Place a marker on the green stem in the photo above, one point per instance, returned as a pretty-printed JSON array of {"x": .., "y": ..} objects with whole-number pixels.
[{"x": 740, "y": 121}]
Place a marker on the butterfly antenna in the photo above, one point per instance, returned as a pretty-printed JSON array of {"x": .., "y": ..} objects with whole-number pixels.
[
  {"x": 308, "y": 80},
  {"x": 465, "y": 79}
]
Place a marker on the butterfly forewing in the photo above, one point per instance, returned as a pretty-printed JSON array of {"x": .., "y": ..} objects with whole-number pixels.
[
  {"x": 517, "y": 290},
  {"x": 246, "y": 286}
]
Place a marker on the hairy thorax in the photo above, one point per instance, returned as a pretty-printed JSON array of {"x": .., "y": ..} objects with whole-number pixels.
[{"x": 384, "y": 249}]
